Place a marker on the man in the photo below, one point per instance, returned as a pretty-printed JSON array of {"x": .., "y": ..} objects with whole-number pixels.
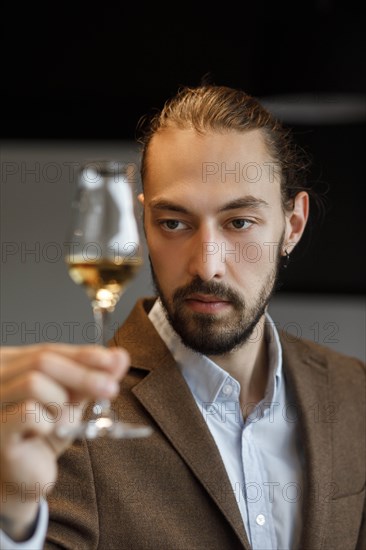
[{"x": 258, "y": 440}]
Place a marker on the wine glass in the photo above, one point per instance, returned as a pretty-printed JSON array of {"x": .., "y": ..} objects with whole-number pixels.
[{"x": 103, "y": 253}]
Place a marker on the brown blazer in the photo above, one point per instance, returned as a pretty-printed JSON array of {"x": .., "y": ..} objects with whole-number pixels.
[{"x": 171, "y": 491}]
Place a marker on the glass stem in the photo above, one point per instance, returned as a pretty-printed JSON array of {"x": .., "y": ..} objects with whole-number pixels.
[{"x": 101, "y": 318}]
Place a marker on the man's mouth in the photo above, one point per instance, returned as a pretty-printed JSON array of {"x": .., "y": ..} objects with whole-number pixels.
[{"x": 206, "y": 303}]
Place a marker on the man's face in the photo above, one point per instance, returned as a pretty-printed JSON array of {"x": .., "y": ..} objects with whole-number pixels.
[{"x": 215, "y": 229}]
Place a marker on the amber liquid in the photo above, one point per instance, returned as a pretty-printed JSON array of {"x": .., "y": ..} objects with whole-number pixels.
[{"x": 104, "y": 280}]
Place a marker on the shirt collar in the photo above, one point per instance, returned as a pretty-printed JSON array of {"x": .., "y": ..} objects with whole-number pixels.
[{"x": 204, "y": 377}]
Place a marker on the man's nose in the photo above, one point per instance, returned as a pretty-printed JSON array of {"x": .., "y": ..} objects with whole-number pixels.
[{"x": 205, "y": 260}]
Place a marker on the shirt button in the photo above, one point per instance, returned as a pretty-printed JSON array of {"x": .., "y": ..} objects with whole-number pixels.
[
  {"x": 227, "y": 390},
  {"x": 260, "y": 519}
]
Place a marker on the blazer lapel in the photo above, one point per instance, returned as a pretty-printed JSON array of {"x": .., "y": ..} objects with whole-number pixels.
[
  {"x": 166, "y": 396},
  {"x": 307, "y": 375}
]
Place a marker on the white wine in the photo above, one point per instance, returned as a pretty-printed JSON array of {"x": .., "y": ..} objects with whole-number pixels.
[{"x": 104, "y": 280}]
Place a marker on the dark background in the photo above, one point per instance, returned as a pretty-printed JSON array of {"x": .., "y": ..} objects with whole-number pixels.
[{"x": 90, "y": 72}]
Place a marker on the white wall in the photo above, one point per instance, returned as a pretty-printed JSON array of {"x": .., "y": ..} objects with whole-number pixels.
[{"x": 40, "y": 302}]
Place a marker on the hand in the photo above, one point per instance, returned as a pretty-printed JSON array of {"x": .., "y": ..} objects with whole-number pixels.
[{"x": 43, "y": 387}]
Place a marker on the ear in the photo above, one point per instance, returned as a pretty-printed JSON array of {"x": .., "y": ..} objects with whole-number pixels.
[
  {"x": 296, "y": 220},
  {"x": 141, "y": 198}
]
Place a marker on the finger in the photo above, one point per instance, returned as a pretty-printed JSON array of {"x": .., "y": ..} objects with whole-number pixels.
[
  {"x": 8, "y": 353},
  {"x": 34, "y": 385},
  {"x": 115, "y": 361},
  {"x": 25, "y": 419},
  {"x": 75, "y": 376}
]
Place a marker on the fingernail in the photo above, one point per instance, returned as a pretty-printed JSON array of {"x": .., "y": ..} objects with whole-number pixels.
[
  {"x": 105, "y": 359},
  {"x": 106, "y": 385},
  {"x": 121, "y": 355}
]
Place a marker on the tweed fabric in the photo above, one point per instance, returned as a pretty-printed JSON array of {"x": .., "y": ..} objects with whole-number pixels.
[{"x": 171, "y": 491}]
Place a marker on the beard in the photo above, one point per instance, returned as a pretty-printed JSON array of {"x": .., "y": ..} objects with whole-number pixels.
[{"x": 215, "y": 334}]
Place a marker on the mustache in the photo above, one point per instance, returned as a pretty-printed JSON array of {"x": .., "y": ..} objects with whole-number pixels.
[{"x": 210, "y": 287}]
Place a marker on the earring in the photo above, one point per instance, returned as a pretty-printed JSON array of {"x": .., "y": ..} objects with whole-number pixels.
[{"x": 285, "y": 259}]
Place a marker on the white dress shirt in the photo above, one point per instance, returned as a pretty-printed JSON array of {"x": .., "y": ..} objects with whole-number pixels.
[{"x": 262, "y": 454}]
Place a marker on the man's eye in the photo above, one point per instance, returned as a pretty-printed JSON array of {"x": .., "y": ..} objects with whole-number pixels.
[
  {"x": 241, "y": 223},
  {"x": 172, "y": 225}
]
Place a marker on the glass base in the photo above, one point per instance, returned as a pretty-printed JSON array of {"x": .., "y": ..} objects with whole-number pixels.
[{"x": 105, "y": 427}]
